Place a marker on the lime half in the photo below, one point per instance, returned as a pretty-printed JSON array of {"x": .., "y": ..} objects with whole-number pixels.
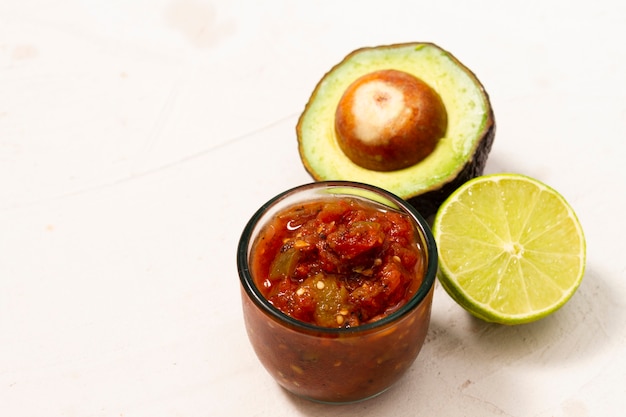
[{"x": 511, "y": 249}]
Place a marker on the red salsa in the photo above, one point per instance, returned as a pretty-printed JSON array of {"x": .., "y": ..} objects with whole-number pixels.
[{"x": 338, "y": 262}]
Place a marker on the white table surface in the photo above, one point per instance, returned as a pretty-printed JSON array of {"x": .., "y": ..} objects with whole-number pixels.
[{"x": 137, "y": 138}]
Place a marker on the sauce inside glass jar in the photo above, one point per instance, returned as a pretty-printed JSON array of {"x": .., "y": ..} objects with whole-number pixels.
[{"x": 338, "y": 262}]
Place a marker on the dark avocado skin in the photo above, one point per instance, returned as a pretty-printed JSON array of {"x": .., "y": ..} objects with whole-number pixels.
[{"x": 428, "y": 203}]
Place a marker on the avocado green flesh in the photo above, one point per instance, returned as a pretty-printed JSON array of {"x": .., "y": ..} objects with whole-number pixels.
[{"x": 467, "y": 106}]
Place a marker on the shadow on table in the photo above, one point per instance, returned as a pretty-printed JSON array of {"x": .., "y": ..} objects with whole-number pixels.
[{"x": 581, "y": 329}]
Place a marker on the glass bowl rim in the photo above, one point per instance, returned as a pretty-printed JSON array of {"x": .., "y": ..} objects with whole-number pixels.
[{"x": 245, "y": 275}]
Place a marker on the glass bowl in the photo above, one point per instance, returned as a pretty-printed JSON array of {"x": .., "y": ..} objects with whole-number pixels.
[{"x": 335, "y": 364}]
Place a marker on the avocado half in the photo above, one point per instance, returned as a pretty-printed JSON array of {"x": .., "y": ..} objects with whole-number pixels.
[{"x": 461, "y": 154}]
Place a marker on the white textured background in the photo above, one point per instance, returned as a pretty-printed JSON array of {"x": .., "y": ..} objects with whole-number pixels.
[{"x": 137, "y": 137}]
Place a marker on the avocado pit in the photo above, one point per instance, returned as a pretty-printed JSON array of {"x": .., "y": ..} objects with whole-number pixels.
[{"x": 388, "y": 120}]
